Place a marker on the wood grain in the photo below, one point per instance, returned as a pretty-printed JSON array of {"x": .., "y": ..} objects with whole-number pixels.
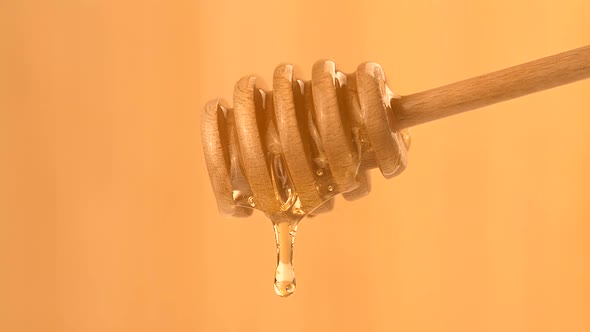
[{"x": 495, "y": 87}]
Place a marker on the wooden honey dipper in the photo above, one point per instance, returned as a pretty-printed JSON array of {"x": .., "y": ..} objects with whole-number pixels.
[{"x": 288, "y": 152}]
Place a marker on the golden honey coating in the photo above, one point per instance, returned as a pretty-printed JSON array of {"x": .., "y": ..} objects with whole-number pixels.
[{"x": 289, "y": 151}]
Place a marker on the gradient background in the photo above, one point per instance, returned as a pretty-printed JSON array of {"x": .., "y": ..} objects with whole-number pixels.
[{"x": 108, "y": 223}]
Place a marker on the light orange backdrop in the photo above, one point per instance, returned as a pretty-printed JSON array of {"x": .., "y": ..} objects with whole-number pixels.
[{"x": 107, "y": 221}]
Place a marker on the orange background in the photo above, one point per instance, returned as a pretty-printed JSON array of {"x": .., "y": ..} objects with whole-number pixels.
[{"x": 107, "y": 221}]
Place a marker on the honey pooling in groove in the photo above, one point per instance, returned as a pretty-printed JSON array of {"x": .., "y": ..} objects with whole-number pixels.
[{"x": 290, "y": 151}]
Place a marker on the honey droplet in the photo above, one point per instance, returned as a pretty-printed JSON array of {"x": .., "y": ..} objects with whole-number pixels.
[
  {"x": 284, "y": 283},
  {"x": 284, "y": 288}
]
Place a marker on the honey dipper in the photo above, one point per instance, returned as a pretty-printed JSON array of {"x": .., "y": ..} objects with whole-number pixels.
[{"x": 288, "y": 152}]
